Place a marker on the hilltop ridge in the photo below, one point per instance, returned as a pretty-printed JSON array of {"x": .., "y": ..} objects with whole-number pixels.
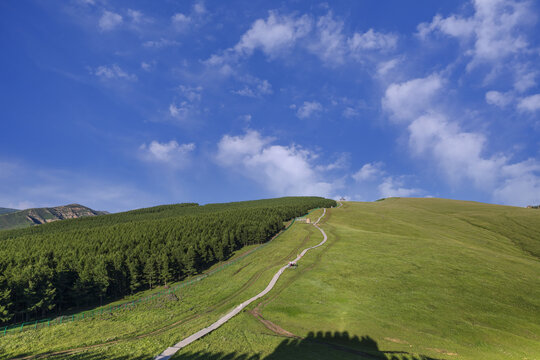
[{"x": 13, "y": 219}]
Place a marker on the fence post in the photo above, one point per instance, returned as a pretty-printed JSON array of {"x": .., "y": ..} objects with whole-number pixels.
[
  {"x": 5, "y": 330},
  {"x": 22, "y": 325},
  {"x": 35, "y": 325},
  {"x": 48, "y": 322}
]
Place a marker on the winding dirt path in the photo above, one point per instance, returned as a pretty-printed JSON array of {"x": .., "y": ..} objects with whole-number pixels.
[{"x": 174, "y": 349}]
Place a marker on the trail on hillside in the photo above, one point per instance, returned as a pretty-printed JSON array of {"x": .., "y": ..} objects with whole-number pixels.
[{"x": 174, "y": 349}]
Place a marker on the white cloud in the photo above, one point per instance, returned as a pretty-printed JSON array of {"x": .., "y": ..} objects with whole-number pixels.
[
  {"x": 521, "y": 190},
  {"x": 181, "y": 111},
  {"x": 459, "y": 154},
  {"x": 524, "y": 78},
  {"x": 499, "y": 99},
  {"x": 199, "y": 8},
  {"x": 113, "y": 72},
  {"x": 452, "y": 25},
  {"x": 409, "y": 99},
  {"x": 350, "y": 112},
  {"x": 494, "y": 30},
  {"x": 187, "y": 109},
  {"x": 384, "y": 67},
  {"x": 161, "y": 43},
  {"x": 530, "y": 103},
  {"x": 308, "y": 109},
  {"x": 180, "y": 20},
  {"x": 282, "y": 170},
  {"x": 136, "y": 16},
  {"x": 273, "y": 35},
  {"x": 192, "y": 93},
  {"x": 147, "y": 66},
  {"x": 324, "y": 37},
  {"x": 259, "y": 88},
  {"x": 369, "y": 171},
  {"x": 330, "y": 43},
  {"x": 392, "y": 187},
  {"x": 372, "y": 40},
  {"x": 109, "y": 20},
  {"x": 171, "y": 153}
]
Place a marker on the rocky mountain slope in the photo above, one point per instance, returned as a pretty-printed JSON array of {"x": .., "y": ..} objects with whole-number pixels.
[{"x": 36, "y": 216}]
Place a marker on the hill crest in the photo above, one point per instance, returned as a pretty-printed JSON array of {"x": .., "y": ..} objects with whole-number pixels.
[{"x": 36, "y": 216}]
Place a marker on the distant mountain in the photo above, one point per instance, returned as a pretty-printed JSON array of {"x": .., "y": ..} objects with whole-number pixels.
[
  {"x": 6, "y": 210},
  {"x": 13, "y": 219}
]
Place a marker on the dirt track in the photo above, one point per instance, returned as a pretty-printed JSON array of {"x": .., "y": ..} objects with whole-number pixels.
[{"x": 173, "y": 349}]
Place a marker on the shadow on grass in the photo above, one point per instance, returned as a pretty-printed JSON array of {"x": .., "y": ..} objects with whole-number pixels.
[
  {"x": 321, "y": 346},
  {"x": 316, "y": 346}
]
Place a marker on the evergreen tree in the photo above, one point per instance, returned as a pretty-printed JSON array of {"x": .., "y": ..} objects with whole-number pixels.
[
  {"x": 5, "y": 301},
  {"x": 150, "y": 271}
]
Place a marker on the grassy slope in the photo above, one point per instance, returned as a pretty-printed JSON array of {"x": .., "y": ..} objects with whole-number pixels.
[
  {"x": 446, "y": 279},
  {"x": 426, "y": 276},
  {"x": 14, "y": 220},
  {"x": 210, "y": 298}
]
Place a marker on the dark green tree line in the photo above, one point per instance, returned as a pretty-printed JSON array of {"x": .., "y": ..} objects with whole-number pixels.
[{"x": 52, "y": 267}]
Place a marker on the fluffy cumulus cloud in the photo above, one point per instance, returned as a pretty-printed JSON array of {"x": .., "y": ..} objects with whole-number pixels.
[
  {"x": 334, "y": 47},
  {"x": 273, "y": 35},
  {"x": 308, "y": 109},
  {"x": 408, "y": 99},
  {"x": 369, "y": 171},
  {"x": 459, "y": 154},
  {"x": 281, "y": 170},
  {"x": 110, "y": 72},
  {"x": 322, "y": 36},
  {"x": 493, "y": 29},
  {"x": 170, "y": 153},
  {"x": 530, "y": 103},
  {"x": 109, "y": 20},
  {"x": 522, "y": 184}
]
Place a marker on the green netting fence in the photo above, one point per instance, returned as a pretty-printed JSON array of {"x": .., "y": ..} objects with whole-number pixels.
[{"x": 38, "y": 324}]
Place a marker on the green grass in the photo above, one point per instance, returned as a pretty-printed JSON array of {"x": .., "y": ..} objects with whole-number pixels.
[
  {"x": 208, "y": 299},
  {"x": 399, "y": 278}
]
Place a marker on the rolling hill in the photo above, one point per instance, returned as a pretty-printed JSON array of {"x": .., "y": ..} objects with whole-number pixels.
[
  {"x": 397, "y": 279},
  {"x": 14, "y": 219},
  {"x": 6, "y": 210}
]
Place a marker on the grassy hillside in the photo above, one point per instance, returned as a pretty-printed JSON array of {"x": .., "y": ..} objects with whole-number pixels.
[
  {"x": 397, "y": 279},
  {"x": 17, "y": 219},
  {"x": 55, "y": 267},
  {"x": 6, "y": 210}
]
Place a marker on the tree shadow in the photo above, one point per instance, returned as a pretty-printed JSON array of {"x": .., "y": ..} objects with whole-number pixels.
[{"x": 317, "y": 346}]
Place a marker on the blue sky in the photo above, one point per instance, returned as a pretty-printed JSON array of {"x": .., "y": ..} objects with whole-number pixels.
[{"x": 125, "y": 104}]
